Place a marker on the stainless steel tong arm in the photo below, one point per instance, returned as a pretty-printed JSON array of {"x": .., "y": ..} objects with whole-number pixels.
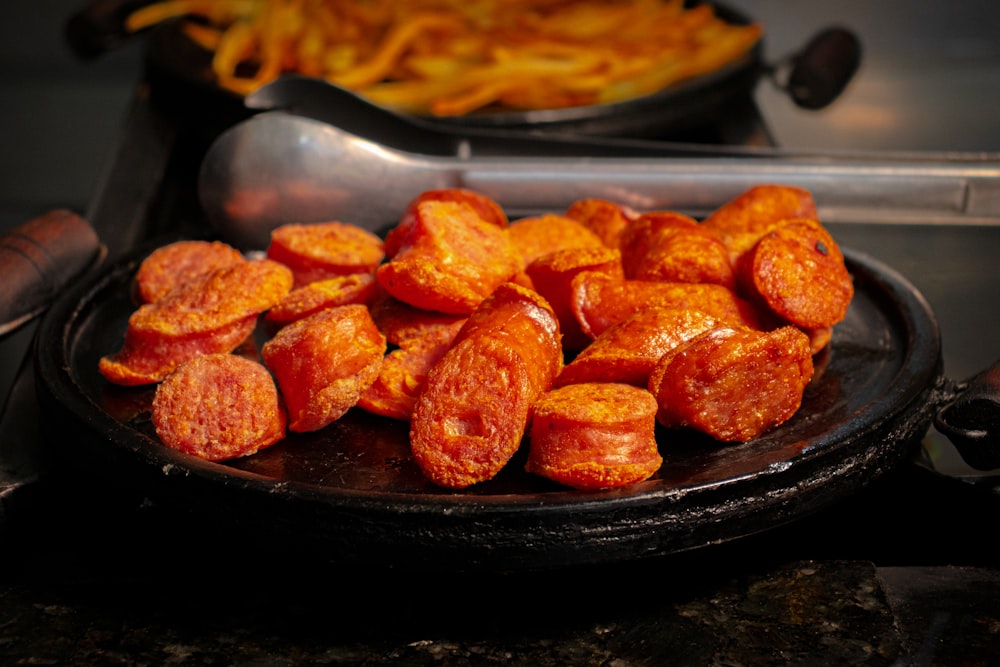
[{"x": 277, "y": 167}]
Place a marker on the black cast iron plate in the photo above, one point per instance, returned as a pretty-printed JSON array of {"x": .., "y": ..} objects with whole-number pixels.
[{"x": 352, "y": 490}]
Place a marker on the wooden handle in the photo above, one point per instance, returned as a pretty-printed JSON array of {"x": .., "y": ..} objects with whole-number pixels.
[{"x": 38, "y": 259}]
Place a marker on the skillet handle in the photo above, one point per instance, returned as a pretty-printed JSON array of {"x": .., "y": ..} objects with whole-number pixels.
[
  {"x": 38, "y": 259},
  {"x": 823, "y": 68},
  {"x": 971, "y": 420}
]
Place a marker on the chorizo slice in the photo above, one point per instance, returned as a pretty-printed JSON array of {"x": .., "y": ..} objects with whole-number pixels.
[
  {"x": 644, "y": 233},
  {"x": 323, "y": 250},
  {"x": 741, "y": 221},
  {"x": 225, "y": 296},
  {"x": 600, "y": 301},
  {"x": 733, "y": 384},
  {"x": 605, "y": 218},
  {"x": 451, "y": 261},
  {"x": 212, "y": 314},
  {"x": 473, "y": 412},
  {"x": 527, "y": 321},
  {"x": 149, "y": 357},
  {"x": 323, "y": 363},
  {"x": 552, "y": 277},
  {"x": 421, "y": 343},
  {"x": 627, "y": 352},
  {"x": 400, "y": 322},
  {"x": 355, "y": 288},
  {"x": 819, "y": 339},
  {"x": 537, "y": 236},
  {"x": 797, "y": 271},
  {"x": 673, "y": 247},
  {"x": 594, "y": 436},
  {"x": 218, "y": 407},
  {"x": 403, "y": 374},
  {"x": 485, "y": 207},
  {"x": 181, "y": 262}
]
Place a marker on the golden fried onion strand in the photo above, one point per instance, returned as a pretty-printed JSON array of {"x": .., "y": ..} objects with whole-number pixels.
[{"x": 453, "y": 57}]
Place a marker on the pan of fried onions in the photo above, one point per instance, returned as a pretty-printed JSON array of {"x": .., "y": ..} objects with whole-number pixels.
[{"x": 589, "y": 65}]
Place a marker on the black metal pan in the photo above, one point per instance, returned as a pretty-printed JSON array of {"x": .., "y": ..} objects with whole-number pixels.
[
  {"x": 352, "y": 492},
  {"x": 813, "y": 78}
]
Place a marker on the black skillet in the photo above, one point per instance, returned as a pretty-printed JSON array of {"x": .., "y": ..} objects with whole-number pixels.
[
  {"x": 352, "y": 492},
  {"x": 813, "y": 78}
]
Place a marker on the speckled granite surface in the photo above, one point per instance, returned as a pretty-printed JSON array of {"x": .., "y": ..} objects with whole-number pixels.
[
  {"x": 798, "y": 613},
  {"x": 897, "y": 575}
]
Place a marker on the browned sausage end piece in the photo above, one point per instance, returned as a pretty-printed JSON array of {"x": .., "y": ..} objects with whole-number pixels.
[
  {"x": 594, "y": 436},
  {"x": 733, "y": 384}
]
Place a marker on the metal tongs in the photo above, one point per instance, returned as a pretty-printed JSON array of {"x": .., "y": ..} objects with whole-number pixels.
[{"x": 316, "y": 152}]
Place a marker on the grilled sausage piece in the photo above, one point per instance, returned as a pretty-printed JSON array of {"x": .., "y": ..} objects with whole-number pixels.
[
  {"x": 323, "y": 363},
  {"x": 741, "y": 221},
  {"x": 552, "y": 276},
  {"x": 181, "y": 262},
  {"x": 600, "y": 301},
  {"x": 218, "y": 407},
  {"x": 325, "y": 249},
  {"x": 594, "y": 435},
  {"x": 485, "y": 208},
  {"x": 450, "y": 260},
  {"x": 404, "y": 370},
  {"x": 214, "y": 313},
  {"x": 628, "y": 351},
  {"x": 733, "y": 384},
  {"x": 605, "y": 218},
  {"x": 537, "y": 236},
  {"x": 355, "y": 288},
  {"x": 672, "y": 247},
  {"x": 476, "y": 404},
  {"x": 797, "y": 271}
]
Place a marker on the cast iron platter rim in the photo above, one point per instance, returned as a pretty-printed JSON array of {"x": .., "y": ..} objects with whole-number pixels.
[{"x": 647, "y": 519}]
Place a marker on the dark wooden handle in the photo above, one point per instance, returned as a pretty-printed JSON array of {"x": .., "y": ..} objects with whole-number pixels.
[
  {"x": 38, "y": 259},
  {"x": 822, "y": 70}
]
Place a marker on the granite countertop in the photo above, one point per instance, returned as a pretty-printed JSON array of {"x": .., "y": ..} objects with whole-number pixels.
[{"x": 871, "y": 582}]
